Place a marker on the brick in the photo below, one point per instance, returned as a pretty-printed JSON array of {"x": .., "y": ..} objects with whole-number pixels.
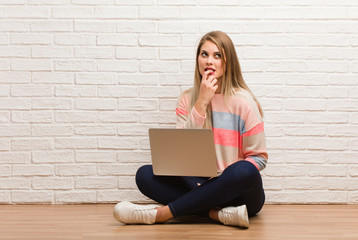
[
  {"x": 75, "y": 170},
  {"x": 4, "y": 145},
  {"x": 31, "y": 91},
  {"x": 15, "y": 183},
  {"x": 49, "y": 2},
  {"x": 26, "y": 170},
  {"x": 75, "y": 39},
  {"x": 95, "y": 157},
  {"x": 270, "y": 183},
  {"x": 342, "y": 157},
  {"x": 160, "y": 117},
  {"x": 14, "y": 51},
  {"x": 309, "y": 130},
  {"x": 133, "y": 156},
  {"x": 72, "y": 12},
  {"x": 306, "y": 105},
  {"x": 118, "y": 117},
  {"x": 95, "y": 104},
  {"x": 296, "y": 183},
  {"x": 95, "y": 26},
  {"x": 127, "y": 182},
  {"x": 279, "y": 170},
  {"x": 149, "y": 92},
  {"x": 207, "y": 26},
  {"x": 222, "y": 12},
  {"x": 327, "y": 171},
  {"x": 354, "y": 144},
  {"x": 32, "y": 116},
  {"x": 51, "y": 103},
  {"x": 15, "y": 103},
  {"x": 292, "y": 40},
  {"x": 306, "y": 157},
  {"x": 133, "y": 129},
  {"x": 287, "y": 197},
  {"x": 15, "y": 158},
  {"x": 54, "y": 157},
  {"x": 31, "y": 65},
  {"x": 262, "y": 53},
  {"x": 118, "y": 169},
  {"x": 121, "y": 92},
  {"x": 353, "y": 171},
  {"x": 116, "y": 12},
  {"x": 52, "y": 26},
  {"x": 96, "y": 78},
  {"x": 51, "y": 130},
  {"x": 75, "y": 143},
  {"x": 158, "y": 12},
  {"x": 32, "y": 144},
  {"x": 352, "y": 197},
  {"x": 52, "y": 77},
  {"x": 30, "y": 38},
  {"x": 339, "y": 183},
  {"x": 5, "y": 171},
  {"x": 342, "y": 131},
  {"x": 138, "y": 79},
  {"x": 177, "y": 53},
  {"x": 95, "y": 183},
  {"x": 118, "y": 40},
  {"x": 159, "y": 40},
  {"x": 95, "y": 129},
  {"x": 4, "y": 117},
  {"x": 14, "y": 26},
  {"x": 51, "y": 52},
  {"x": 176, "y": 2},
  {"x": 330, "y": 66},
  {"x": 176, "y": 79},
  {"x": 325, "y": 143},
  {"x": 159, "y": 66},
  {"x": 76, "y": 197},
  {"x": 286, "y": 66},
  {"x": 28, "y": 12},
  {"x": 342, "y": 105},
  {"x": 95, "y": 52},
  {"x": 118, "y": 143},
  {"x": 75, "y": 65},
  {"x": 168, "y": 104},
  {"x": 135, "y": 2},
  {"x": 326, "y": 117},
  {"x": 118, "y": 65},
  {"x": 287, "y": 143},
  {"x": 5, "y": 91},
  {"x": 52, "y": 183},
  {"x": 93, "y": 2},
  {"x": 328, "y": 197},
  {"x": 110, "y": 196},
  {"x": 353, "y": 117},
  {"x": 14, "y": 130},
  {"x": 136, "y": 53},
  {"x": 133, "y": 26},
  {"x": 305, "y": 13},
  {"x": 21, "y": 196},
  {"x": 77, "y": 91}
]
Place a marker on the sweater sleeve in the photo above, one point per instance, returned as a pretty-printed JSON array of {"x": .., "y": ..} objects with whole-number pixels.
[
  {"x": 188, "y": 118},
  {"x": 254, "y": 142}
]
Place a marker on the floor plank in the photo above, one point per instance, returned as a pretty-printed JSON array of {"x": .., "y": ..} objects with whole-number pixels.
[{"x": 96, "y": 222}]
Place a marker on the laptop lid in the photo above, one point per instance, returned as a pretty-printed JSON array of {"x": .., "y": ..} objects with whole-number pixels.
[{"x": 183, "y": 152}]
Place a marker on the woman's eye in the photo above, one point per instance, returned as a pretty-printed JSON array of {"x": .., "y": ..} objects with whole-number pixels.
[
  {"x": 218, "y": 55},
  {"x": 204, "y": 54}
]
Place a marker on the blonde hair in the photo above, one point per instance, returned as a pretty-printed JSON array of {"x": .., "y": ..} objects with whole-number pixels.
[{"x": 232, "y": 77}]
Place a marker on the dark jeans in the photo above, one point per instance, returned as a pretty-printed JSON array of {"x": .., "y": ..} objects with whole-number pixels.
[{"x": 239, "y": 184}]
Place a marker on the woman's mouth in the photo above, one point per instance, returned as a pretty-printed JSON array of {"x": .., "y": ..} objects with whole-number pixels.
[{"x": 210, "y": 69}]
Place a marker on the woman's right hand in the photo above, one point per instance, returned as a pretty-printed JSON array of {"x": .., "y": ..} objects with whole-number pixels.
[{"x": 207, "y": 91}]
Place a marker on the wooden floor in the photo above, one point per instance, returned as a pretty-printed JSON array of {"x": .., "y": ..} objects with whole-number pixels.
[{"x": 96, "y": 222}]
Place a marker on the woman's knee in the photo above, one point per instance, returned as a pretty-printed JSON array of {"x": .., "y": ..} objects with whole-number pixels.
[{"x": 142, "y": 175}]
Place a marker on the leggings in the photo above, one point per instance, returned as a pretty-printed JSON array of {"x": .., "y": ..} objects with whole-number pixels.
[{"x": 239, "y": 184}]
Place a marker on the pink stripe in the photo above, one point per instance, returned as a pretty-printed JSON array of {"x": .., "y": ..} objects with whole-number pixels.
[
  {"x": 181, "y": 111},
  {"x": 255, "y": 130},
  {"x": 226, "y": 137}
]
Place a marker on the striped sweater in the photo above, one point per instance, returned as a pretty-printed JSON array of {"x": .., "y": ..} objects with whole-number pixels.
[{"x": 238, "y": 129}]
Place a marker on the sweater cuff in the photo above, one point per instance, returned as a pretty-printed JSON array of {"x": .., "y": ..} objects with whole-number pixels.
[{"x": 198, "y": 119}]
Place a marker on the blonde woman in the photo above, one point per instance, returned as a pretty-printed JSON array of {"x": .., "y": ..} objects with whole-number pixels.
[{"x": 220, "y": 100}]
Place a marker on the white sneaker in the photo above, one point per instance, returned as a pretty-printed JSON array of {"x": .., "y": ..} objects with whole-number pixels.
[
  {"x": 130, "y": 213},
  {"x": 234, "y": 216}
]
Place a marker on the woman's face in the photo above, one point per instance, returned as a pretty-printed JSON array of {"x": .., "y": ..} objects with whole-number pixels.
[{"x": 210, "y": 59}]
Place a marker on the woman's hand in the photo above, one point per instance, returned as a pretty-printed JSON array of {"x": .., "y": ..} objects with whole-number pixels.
[{"x": 207, "y": 91}]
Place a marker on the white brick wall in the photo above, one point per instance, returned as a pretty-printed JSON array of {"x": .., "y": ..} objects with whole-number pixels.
[{"x": 82, "y": 81}]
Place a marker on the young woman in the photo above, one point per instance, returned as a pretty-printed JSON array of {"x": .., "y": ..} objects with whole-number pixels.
[{"x": 220, "y": 100}]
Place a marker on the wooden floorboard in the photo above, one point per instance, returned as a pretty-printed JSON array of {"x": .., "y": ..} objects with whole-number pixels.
[{"x": 96, "y": 222}]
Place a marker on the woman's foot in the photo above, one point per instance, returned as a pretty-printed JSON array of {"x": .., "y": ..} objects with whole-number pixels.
[
  {"x": 129, "y": 213},
  {"x": 234, "y": 216}
]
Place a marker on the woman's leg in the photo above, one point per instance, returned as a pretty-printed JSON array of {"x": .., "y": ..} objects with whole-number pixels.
[
  {"x": 164, "y": 189},
  {"x": 239, "y": 184}
]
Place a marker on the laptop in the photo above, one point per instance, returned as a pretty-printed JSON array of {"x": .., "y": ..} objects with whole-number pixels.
[{"x": 183, "y": 152}]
